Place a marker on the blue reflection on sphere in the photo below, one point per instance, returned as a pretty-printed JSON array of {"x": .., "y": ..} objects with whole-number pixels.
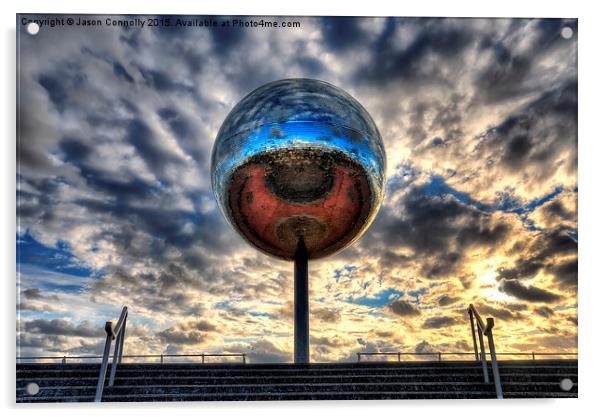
[{"x": 299, "y": 157}]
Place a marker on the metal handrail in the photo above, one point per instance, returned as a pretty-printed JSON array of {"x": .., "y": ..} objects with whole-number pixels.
[
  {"x": 63, "y": 359},
  {"x": 440, "y": 355},
  {"x": 116, "y": 333},
  {"x": 487, "y": 330}
]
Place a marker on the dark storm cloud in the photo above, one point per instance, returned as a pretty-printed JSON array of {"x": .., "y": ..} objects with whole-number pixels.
[
  {"x": 168, "y": 227},
  {"x": 145, "y": 143},
  {"x": 565, "y": 274},
  {"x": 537, "y": 134},
  {"x": 34, "y": 299},
  {"x": 446, "y": 300},
  {"x": 227, "y": 39},
  {"x": 32, "y": 293},
  {"x": 439, "y": 322},
  {"x": 509, "y": 71},
  {"x": 163, "y": 82},
  {"x": 524, "y": 270},
  {"x": 557, "y": 210},
  {"x": 501, "y": 312},
  {"x": 62, "y": 81},
  {"x": 544, "y": 311},
  {"x": 342, "y": 33},
  {"x": 61, "y": 327},
  {"x": 55, "y": 90},
  {"x": 436, "y": 221},
  {"x": 166, "y": 291},
  {"x": 540, "y": 255},
  {"x": 528, "y": 293},
  {"x": 436, "y": 37},
  {"x": 437, "y": 227},
  {"x": 120, "y": 71},
  {"x": 403, "y": 308}
]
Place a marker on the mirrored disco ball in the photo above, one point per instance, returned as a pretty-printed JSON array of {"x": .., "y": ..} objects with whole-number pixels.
[{"x": 299, "y": 157}]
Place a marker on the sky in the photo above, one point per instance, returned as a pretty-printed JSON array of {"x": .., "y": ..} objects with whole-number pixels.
[{"x": 114, "y": 202}]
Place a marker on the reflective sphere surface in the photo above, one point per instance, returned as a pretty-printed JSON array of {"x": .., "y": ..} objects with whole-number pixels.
[{"x": 299, "y": 157}]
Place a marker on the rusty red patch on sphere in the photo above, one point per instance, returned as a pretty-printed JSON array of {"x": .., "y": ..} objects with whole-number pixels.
[{"x": 278, "y": 197}]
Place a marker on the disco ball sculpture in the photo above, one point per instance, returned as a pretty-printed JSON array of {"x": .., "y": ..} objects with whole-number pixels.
[{"x": 299, "y": 158}]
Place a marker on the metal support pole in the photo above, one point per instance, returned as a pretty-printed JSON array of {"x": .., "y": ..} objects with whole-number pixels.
[
  {"x": 301, "y": 304},
  {"x": 103, "y": 366},
  {"x": 115, "y": 358},
  {"x": 474, "y": 338},
  {"x": 494, "y": 367},
  {"x": 483, "y": 357},
  {"x": 122, "y": 340}
]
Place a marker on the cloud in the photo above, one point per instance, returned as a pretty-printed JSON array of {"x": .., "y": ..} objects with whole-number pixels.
[
  {"x": 403, "y": 308},
  {"x": 32, "y": 293},
  {"x": 446, "y": 300},
  {"x": 544, "y": 311},
  {"x": 189, "y": 333},
  {"x": 565, "y": 273},
  {"x": 478, "y": 117},
  {"x": 264, "y": 351},
  {"x": 528, "y": 293},
  {"x": 326, "y": 315},
  {"x": 61, "y": 327},
  {"x": 501, "y": 312},
  {"x": 424, "y": 347},
  {"x": 439, "y": 322}
]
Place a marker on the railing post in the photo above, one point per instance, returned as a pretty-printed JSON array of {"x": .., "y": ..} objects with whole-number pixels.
[
  {"x": 161, "y": 359},
  {"x": 359, "y": 356},
  {"x": 122, "y": 339},
  {"x": 439, "y": 354},
  {"x": 533, "y": 355},
  {"x": 202, "y": 358},
  {"x": 116, "y": 356},
  {"x": 64, "y": 360},
  {"x": 105, "y": 360},
  {"x": 398, "y": 356},
  {"x": 112, "y": 333},
  {"x": 483, "y": 356},
  {"x": 244, "y": 358},
  {"x": 496, "y": 371},
  {"x": 474, "y": 338}
]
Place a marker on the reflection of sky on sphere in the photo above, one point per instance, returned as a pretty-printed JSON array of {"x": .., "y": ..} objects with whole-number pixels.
[{"x": 298, "y": 113}]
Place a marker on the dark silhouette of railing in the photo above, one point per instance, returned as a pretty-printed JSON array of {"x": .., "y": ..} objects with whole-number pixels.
[
  {"x": 441, "y": 355},
  {"x": 487, "y": 330},
  {"x": 161, "y": 357},
  {"x": 116, "y": 333}
]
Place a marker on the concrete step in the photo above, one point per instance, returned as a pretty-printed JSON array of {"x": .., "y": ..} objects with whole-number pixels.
[
  {"x": 234, "y": 382},
  {"x": 373, "y": 378},
  {"x": 161, "y": 371},
  {"x": 218, "y": 389},
  {"x": 266, "y": 396}
]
